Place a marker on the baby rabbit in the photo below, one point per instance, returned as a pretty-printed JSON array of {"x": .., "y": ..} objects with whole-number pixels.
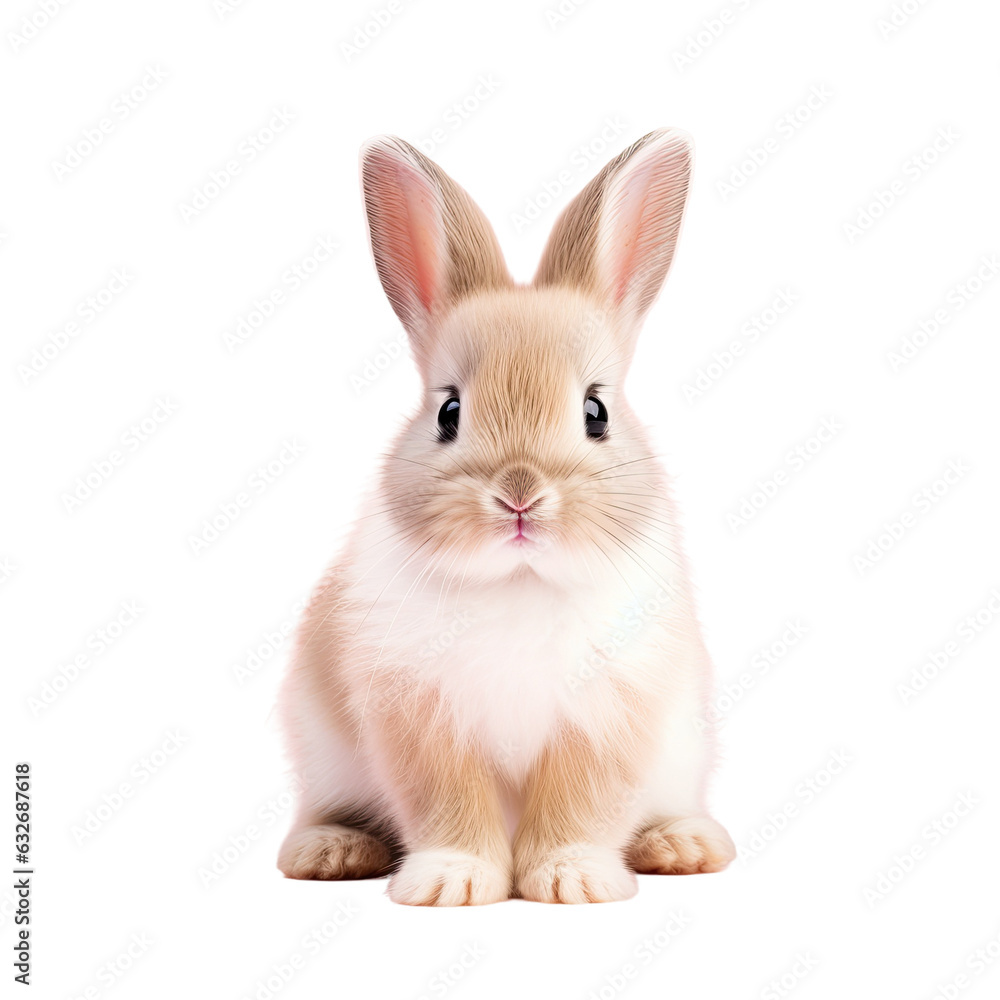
[{"x": 497, "y": 688}]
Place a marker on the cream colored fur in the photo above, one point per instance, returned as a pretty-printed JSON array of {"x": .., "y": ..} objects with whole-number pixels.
[{"x": 499, "y": 716}]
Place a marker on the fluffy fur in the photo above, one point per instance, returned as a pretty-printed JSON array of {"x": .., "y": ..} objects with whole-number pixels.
[{"x": 497, "y": 688}]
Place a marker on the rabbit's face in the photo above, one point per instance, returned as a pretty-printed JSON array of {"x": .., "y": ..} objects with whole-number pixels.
[{"x": 524, "y": 455}]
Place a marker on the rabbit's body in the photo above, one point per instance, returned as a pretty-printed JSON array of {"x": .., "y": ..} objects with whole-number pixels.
[
  {"x": 511, "y": 660},
  {"x": 503, "y": 675}
]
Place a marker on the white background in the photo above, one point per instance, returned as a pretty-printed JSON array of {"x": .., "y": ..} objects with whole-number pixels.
[{"x": 556, "y": 97}]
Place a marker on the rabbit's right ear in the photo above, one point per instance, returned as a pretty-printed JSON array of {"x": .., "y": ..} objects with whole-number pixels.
[{"x": 432, "y": 245}]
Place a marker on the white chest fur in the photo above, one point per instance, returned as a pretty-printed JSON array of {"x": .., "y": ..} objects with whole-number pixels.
[{"x": 514, "y": 660}]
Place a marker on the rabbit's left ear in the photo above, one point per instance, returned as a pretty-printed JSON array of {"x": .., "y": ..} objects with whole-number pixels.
[{"x": 616, "y": 239}]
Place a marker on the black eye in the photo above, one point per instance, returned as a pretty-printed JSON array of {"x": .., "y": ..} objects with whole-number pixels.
[
  {"x": 595, "y": 415},
  {"x": 448, "y": 419}
]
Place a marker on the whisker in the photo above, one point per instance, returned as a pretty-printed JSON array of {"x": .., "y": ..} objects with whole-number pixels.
[
  {"x": 667, "y": 554},
  {"x": 644, "y": 515},
  {"x": 611, "y": 561},
  {"x": 399, "y": 570},
  {"x": 621, "y": 465},
  {"x": 627, "y": 549}
]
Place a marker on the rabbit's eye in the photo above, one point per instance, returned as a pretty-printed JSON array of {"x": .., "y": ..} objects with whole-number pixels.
[
  {"x": 595, "y": 415},
  {"x": 448, "y": 419}
]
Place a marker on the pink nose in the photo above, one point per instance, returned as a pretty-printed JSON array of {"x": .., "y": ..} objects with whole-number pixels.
[{"x": 511, "y": 507}]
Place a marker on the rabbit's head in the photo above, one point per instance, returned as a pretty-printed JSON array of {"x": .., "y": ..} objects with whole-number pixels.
[{"x": 524, "y": 456}]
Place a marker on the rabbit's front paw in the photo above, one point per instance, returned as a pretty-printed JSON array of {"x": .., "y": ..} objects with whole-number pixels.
[
  {"x": 448, "y": 878},
  {"x": 576, "y": 873},
  {"x": 682, "y": 846}
]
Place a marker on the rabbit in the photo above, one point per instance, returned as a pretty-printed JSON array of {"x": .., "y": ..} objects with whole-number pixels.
[{"x": 497, "y": 690}]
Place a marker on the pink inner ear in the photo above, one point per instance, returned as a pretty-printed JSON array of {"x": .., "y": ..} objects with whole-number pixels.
[
  {"x": 636, "y": 233},
  {"x": 424, "y": 237},
  {"x": 640, "y": 221},
  {"x": 411, "y": 224}
]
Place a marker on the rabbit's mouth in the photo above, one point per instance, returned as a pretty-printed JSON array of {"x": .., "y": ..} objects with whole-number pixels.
[
  {"x": 518, "y": 521},
  {"x": 520, "y": 531},
  {"x": 521, "y": 538}
]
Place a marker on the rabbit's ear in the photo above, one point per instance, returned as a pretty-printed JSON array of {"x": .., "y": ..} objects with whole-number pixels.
[
  {"x": 617, "y": 237},
  {"x": 431, "y": 243}
]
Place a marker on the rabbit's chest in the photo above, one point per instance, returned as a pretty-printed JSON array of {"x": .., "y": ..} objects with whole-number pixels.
[{"x": 514, "y": 665}]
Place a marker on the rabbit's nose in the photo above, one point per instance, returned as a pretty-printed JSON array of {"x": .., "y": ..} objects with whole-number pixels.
[
  {"x": 517, "y": 488},
  {"x": 507, "y": 505}
]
